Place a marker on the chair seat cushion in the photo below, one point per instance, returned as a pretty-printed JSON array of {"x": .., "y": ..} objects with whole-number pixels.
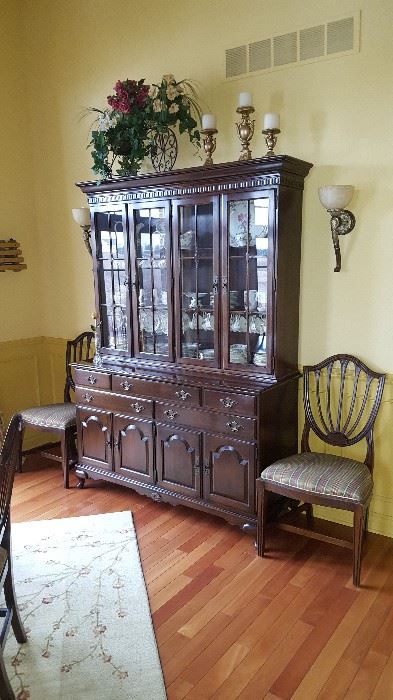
[
  {"x": 322, "y": 474},
  {"x": 57, "y": 416}
]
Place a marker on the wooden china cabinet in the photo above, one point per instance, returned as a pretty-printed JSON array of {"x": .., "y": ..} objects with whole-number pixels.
[{"x": 197, "y": 287}]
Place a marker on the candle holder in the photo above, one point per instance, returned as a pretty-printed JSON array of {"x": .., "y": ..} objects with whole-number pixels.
[
  {"x": 245, "y": 130},
  {"x": 271, "y": 140},
  {"x": 209, "y": 144}
]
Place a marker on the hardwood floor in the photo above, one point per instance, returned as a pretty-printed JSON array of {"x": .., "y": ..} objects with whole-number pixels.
[{"x": 231, "y": 625}]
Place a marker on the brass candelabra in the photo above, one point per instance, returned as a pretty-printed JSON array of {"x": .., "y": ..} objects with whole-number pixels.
[
  {"x": 209, "y": 144},
  {"x": 271, "y": 140},
  {"x": 245, "y": 130}
]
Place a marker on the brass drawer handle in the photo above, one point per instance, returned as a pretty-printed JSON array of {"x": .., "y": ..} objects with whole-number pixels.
[
  {"x": 171, "y": 414},
  {"x": 227, "y": 402},
  {"x": 87, "y": 397},
  {"x": 126, "y": 385},
  {"x": 138, "y": 407},
  {"x": 234, "y": 426},
  {"x": 91, "y": 379},
  {"x": 183, "y": 395}
]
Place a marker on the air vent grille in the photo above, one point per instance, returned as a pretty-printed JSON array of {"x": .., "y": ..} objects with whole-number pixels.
[
  {"x": 322, "y": 41},
  {"x": 340, "y": 35},
  {"x": 260, "y": 55},
  {"x": 236, "y": 61}
]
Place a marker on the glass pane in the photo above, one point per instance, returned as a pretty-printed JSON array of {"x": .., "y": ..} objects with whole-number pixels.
[
  {"x": 112, "y": 279},
  {"x": 196, "y": 281},
  {"x": 248, "y": 227},
  {"x": 152, "y": 281}
]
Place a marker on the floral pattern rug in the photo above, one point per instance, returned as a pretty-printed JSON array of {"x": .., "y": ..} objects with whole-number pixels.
[{"x": 83, "y": 601}]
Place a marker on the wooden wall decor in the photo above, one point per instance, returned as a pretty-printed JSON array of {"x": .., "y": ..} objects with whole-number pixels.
[{"x": 11, "y": 256}]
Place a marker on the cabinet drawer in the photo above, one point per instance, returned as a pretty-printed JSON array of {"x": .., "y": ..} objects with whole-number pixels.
[
  {"x": 88, "y": 377},
  {"x": 242, "y": 428},
  {"x": 242, "y": 404},
  {"x": 157, "y": 390},
  {"x": 131, "y": 405}
]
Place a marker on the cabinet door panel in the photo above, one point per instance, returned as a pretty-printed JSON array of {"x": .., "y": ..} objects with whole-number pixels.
[
  {"x": 248, "y": 280},
  {"x": 178, "y": 460},
  {"x": 111, "y": 260},
  {"x": 229, "y": 473},
  {"x": 94, "y": 438},
  {"x": 133, "y": 448},
  {"x": 196, "y": 274}
]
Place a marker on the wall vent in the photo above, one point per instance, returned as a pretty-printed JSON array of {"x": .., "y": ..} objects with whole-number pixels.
[
  {"x": 236, "y": 61},
  {"x": 335, "y": 37}
]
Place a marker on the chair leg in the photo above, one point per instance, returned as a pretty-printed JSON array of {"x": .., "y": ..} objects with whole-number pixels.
[
  {"x": 20, "y": 456},
  {"x": 6, "y": 692},
  {"x": 309, "y": 514},
  {"x": 261, "y": 517},
  {"x": 65, "y": 457},
  {"x": 359, "y": 517}
]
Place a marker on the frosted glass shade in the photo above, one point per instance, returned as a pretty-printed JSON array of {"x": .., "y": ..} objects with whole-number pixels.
[
  {"x": 335, "y": 196},
  {"x": 82, "y": 216}
]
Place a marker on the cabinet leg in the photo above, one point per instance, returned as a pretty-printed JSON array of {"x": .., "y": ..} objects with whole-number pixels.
[{"x": 81, "y": 476}]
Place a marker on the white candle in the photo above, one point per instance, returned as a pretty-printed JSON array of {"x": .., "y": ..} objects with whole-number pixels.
[
  {"x": 209, "y": 121},
  {"x": 245, "y": 99},
  {"x": 271, "y": 121}
]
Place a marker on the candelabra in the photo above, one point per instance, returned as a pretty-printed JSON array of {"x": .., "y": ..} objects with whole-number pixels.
[
  {"x": 245, "y": 130},
  {"x": 209, "y": 144},
  {"x": 271, "y": 140}
]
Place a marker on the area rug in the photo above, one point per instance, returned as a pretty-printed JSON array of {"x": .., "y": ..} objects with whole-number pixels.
[{"x": 83, "y": 601}]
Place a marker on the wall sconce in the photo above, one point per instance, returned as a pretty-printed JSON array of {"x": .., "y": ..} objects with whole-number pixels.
[
  {"x": 82, "y": 217},
  {"x": 335, "y": 198}
]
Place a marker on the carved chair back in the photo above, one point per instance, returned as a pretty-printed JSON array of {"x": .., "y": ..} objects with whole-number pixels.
[
  {"x": 341, "y": 400},
  {"x": 10, "y": 456},
  {"x": 80, "y": 349}
]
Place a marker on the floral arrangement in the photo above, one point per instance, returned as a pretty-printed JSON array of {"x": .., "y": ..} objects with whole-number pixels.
[{"x": 124, "y": 131}]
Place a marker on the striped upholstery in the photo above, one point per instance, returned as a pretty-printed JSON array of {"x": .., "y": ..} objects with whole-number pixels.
[
  {"x": 58, "y": 416},
  {"x": 322, "y": 474}
]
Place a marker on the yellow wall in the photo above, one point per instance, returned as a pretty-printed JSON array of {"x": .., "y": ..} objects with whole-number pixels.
[{"x": 65, "y": 56}]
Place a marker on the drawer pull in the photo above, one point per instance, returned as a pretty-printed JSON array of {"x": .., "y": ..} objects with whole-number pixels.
[
  {"x": 87, "y": 397},
  {"x": 126, "y": 385},
  {"x": 138, "y": 407},
  {"x": 91, "y": 379},
  {"x": 227, "y": 402},
  {"x": 234, "y": 426},
  {"x": 183, "y": 395},
  {"x": 171, "y": 414}
]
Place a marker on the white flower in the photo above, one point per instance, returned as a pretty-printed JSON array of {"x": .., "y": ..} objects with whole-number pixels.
[
  {"x": 157, "y": 105},
  {"x": 106, "y": 121},
  {"x": 171, "y": 92},
  {"x": 173, "y": 108},
  {"x": 152, "y": 91}
]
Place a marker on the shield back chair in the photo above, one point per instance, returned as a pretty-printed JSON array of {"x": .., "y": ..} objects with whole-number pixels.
[
  {"x": 10, "y": 456},
  {"x": 60, "y": 418},
  {"x": 341, "y": 398}
]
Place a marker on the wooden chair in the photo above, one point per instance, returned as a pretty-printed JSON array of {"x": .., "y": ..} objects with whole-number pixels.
[
  {"x": 341, "y": 399},
  {"x": 10, "y": 456},
  {"x": 61, "y": 417}
]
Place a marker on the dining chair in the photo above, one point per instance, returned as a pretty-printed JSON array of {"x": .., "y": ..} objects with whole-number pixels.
[
  {"x": 10, "y": 456},
  {"x": 60, "y": 418},
  {"x": 341, "y": 398}
]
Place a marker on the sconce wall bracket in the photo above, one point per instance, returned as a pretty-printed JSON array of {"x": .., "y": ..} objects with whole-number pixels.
[{"x": 342, "y": 222}]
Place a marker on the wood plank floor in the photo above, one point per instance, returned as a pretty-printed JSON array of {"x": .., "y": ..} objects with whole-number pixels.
[{"x": 231, "y": 625}]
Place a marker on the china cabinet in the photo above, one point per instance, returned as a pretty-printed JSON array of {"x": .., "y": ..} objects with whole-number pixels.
[{"x": 196, "y": 277}]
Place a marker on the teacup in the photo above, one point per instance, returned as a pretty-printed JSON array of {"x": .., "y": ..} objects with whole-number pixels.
[
  {"x": 187, "y": 239},
  {"x": 207, "y": 322}
]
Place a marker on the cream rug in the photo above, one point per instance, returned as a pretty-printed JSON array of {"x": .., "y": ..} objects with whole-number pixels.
[{"x": 82, "y": 597}]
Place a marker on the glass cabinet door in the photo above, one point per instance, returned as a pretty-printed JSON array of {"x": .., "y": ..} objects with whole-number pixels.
[
  {"x": 150, "y": 244},
  {"x": 195, "y": 245},
  {"x": 112, "y": 264},
  {"x": 248, "y": 282}
]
